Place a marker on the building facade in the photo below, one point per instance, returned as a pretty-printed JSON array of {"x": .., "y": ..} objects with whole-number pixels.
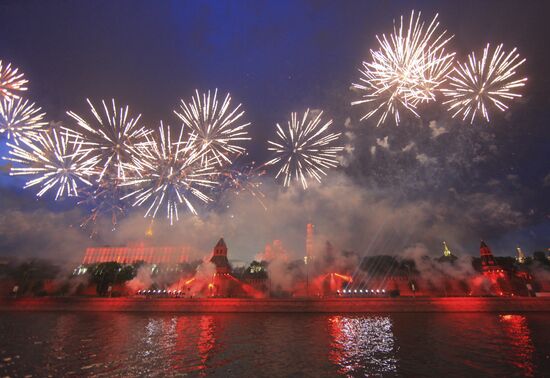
[{"x": 135, "y": 253}]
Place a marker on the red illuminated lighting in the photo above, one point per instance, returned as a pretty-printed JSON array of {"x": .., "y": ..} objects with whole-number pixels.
[
  {"x": 521, "y": 353},
  {"x": 135, "y": 253}
]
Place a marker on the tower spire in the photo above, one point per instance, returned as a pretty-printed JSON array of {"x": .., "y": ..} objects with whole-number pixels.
[
  {"x": 310, "y": 230},
  {"x": 446, "y": 250},
  {"x": 521, "y": 256},
  {"x": 487, "y": 258},
  {"x": 219, "y": 257},
  {"x": 149, "y": 232}
]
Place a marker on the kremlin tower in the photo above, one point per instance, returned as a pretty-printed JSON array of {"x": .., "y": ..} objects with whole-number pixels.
[
  {"x": 488, "y": 263},
  {"x": 219, "y": 258},
  {"x": 500, "y": 278},
  {"x": 310, "y": 244},
  {"x": 223, "y": 283}
]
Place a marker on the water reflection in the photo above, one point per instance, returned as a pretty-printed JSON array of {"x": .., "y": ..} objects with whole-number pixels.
[
  {"x": 520, "y": 347},
  {"x": 363, "y": 345},
  {"x": 206, "y": 339},
  {"x": 270, "y": 345}
]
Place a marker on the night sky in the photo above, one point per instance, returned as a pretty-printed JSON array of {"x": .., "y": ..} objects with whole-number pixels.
[{"x": 487, "y": 180}]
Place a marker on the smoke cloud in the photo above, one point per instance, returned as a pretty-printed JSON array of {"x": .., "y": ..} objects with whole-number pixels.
[
  {"x": 142, "y": 280},
  {"x": 423, "y": 187},
  {"x": 348, "y": 215}
]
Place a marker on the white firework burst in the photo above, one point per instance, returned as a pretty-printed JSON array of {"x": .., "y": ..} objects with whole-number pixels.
[
  {"x": 110, "y": 139},
  {"x": 11, "y": 82},
  {"x": 20, "y": 120},
  {"x": 54, "y": 162},
  {"x": 217, "y": 127},
  {"x": 305, "y": 149},
  {"x": 479, "y": 84},
  {"x": 171, "y": 174},
  {"x": 407, "y": 69}
]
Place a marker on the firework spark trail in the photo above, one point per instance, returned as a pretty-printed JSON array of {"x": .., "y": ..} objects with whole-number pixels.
[
  {"x": 244, "y": 179},
  {"x": 216, "y": 127},
  {"x": 20, "y": 120},
  {"x": 171, "y": 174},
  {"x": 304, "y": 149},
  {"x": 54, "y": 161},
  {"x": 477, "y": 84},
  {"x": 110, "y": 139},
  {"x": 11, "y": 82},
  {"x": 407, "y": 69},
  {"x": 103, "y": 199},
  {"x": 434, "y": 75}
]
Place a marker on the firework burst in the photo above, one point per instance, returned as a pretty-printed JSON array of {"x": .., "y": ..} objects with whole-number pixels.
[
  {"x": 53, "y": 161},
  {"x": 304, "y": 149},
  {"x": 11, "y": 82},
  {"x": 410, "y": 65},
  {"x": 217, "y": 127},
  {"x": 477, "y": 85},
  {"x": 20, "y": 120},
  {"x": 110, "y": 139},
  {"x": 171, "y": 174}
]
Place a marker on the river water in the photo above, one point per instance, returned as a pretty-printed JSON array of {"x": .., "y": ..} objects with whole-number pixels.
[{"x": 273, "y": 345}]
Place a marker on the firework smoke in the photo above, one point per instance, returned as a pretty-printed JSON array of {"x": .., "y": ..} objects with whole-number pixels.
[
  {"x": 104, "y": 199},
  {"x": 243, "y": 178}
]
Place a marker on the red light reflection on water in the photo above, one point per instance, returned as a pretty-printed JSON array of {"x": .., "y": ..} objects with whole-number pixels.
[
  {"x": 362, "y": 345},
  {"x": 194, "y": 344},
  {"x": 521, "y": 346},
  {"x": 207, "y": 339},
  {"x": 181, "y": 346}
]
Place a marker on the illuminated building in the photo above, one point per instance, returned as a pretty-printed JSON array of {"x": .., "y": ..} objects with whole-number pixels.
[
  {"x": 521, "y": 256},
  {"x": 138, "y": 252},
  {"x": 225, "y": 284},
  {"x": 255, "y": 276},
  {"x": 380, "y": 275},
  {"x": 135, "y": 253},
  {"x": 500, "y": 278}
]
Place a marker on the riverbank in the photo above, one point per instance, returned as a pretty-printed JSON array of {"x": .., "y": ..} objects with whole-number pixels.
[{"x": 314, "y": 305}]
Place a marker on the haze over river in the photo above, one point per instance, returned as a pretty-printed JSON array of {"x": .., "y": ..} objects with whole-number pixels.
[{"x": 317, "y": 345}]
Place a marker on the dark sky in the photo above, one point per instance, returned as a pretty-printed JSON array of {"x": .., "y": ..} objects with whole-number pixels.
[{"x": 282, "y": 56}]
